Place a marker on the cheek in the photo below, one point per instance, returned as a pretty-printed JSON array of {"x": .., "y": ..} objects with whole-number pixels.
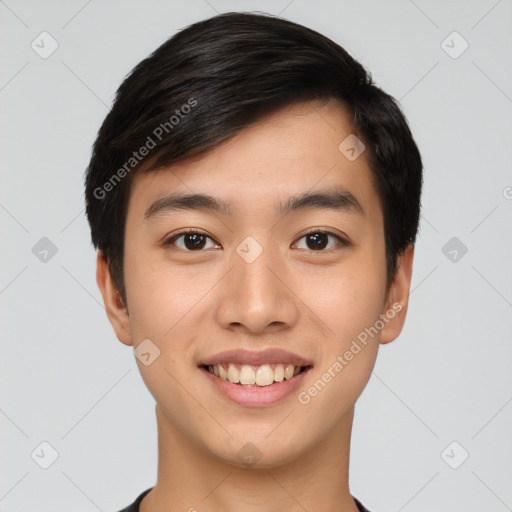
[
  {"x": 349, "y": 350},
  {"x": 162, "y": 298},
  {"x": 165, "y": 307},
  {"x": 349, "y": 302},
  {"x": 347, "y": 298}
]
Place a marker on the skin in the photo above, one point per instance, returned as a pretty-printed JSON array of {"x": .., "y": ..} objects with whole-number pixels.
[{"x": 195, "y": 304}]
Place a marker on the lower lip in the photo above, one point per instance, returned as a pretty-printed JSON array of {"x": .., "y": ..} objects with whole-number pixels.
[{"x": 256, "y": 396}]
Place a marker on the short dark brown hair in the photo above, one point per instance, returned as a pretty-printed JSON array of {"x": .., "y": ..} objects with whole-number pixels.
[{"x": 215, "y": 78}]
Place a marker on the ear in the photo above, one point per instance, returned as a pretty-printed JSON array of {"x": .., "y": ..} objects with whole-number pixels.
[
  {"x": 398, "y": 297},
  {"x": 116, "y": 311}
]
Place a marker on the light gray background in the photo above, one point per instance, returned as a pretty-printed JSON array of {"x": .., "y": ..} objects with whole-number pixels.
[{"x": 67, "y": 380}]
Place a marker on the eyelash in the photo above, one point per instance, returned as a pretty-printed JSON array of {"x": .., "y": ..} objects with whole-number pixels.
[{"x": 173, "y": 238}]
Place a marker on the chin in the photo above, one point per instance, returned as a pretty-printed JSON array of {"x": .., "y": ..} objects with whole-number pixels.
[{"x": 252, "y": 452}]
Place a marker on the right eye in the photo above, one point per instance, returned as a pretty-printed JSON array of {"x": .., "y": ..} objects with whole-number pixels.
[{"x": 193, "y": 240}]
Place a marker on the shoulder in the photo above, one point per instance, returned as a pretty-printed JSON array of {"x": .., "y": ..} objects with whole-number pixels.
[
  {"x": 134, "y": 507},
  {"x": 360, "y": 506}
]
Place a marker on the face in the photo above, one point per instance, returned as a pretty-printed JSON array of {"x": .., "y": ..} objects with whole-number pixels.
[{"x": 265, "y": 285}]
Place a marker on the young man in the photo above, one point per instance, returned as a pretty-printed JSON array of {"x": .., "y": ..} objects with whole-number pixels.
[{"x": 254, "y": 200}]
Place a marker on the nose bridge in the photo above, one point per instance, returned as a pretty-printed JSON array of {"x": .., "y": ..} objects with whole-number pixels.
[
  {"x": 256, "y": 297},
  {"x": 252, "y": 262}
]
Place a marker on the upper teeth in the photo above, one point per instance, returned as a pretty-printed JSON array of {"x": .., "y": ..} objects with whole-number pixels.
[{"x": 248, "y": 375}]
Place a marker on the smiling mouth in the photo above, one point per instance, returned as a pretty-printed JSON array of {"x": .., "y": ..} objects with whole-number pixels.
[{"x": 255, "y": 376}]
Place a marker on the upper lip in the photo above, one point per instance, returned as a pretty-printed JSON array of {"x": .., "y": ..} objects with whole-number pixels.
[{"x": 269, "y": 356}]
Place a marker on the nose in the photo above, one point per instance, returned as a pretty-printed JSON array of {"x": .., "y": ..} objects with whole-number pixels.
[{"x": 258, "y": 296}]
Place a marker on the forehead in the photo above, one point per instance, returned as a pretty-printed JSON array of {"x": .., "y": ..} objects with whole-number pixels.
[{"x": 293, "y": 151}]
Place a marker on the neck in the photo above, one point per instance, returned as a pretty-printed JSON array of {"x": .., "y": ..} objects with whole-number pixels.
[{"x": 191, "y": 479}]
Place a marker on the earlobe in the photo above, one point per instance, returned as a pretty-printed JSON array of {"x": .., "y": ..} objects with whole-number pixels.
[
  {"x": 398, "y": 297},
  {"x": 117, "y": 312}
]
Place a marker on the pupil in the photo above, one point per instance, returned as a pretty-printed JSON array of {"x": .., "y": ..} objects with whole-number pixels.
[
  {"x": 197, "y": 241},
  {"x": 315, "y": 239}
]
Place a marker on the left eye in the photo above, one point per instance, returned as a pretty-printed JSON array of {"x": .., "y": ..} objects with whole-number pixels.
[
  {"x": 195, "y": 240},
  {"x": 318, "y": 240}
]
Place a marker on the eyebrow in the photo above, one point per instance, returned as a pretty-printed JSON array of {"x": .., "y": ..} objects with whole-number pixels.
[{"x": 336, "y": 199}]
